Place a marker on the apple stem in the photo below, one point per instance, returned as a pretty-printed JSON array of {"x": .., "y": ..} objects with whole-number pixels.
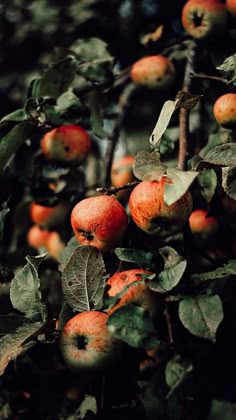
[{"x": 184, "y": 113}]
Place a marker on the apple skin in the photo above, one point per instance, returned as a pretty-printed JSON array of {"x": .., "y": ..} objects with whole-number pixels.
[
  {"x": 224, "y": 110},
  {"x": 48, "y": 217},
  {"x": 86, "y": 343},
  {"x": 138, "y": 294},
  {"x": 204, "y": 19},
  {"x": 99, "y": 221},
  {"x": 200, "y": 223},
  {"x": 152, "y": 215},
  {"x": 231, "y": 7},
  {"x": 37, "y": 237},
  {"x": 70, "y": 144},
  {"x": 122, "y": 174},
  {"x": 54, "y": 245},
  {"x": 155, "y": 72}
]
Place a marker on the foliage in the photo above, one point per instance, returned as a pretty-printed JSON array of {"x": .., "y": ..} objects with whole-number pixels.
[{"x": 66, "y": 64}]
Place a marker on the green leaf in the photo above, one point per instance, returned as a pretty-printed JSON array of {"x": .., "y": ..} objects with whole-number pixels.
[
  {"x": 66, "y": 101},
  {"x": 132, "y": 324},
  {"x": 12, "y": 345},
  {"x": 147, "y": 166},
  {"x": 67, "y": 252},
  {"x": 83, "y": 279},
  {"x": 12, "y": 141},
  {"x": 88, "y": 404},
  {"x": 229, "y": 181},
  {"x": 16, "y": 116},
  {"x": 181, "y": 181},
  {"x": 25, "y": 294},
  {"x": 228, "y": 68},
  {"x": 222, "y": 155},
  {"x": 94, "y": 104},
  {"x": 56, "y": 80},
  {"x": 222, "y": 410},
  {"x": 201, "y": 315},
  {"x": 229, "y": 269},
  {"x": 137, "y": 256},
  {"x": 207, "y": 180},
  {"x": 182, "y": 99},
  {"x": 216, "y": 139},
  {"x": 176, "y": 372},
  {"x": 88, "y": 49},
  {"x": 174, "y": 268}
]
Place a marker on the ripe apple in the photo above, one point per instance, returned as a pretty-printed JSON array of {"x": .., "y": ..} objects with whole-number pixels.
[
  {"x": 224, "y": 110},
  {"x": 231, "y": 7},
  {"x": 122, "y": 174},
  {"x": 155, "y": 72},
  {"x": 54, "y": 244},
  {"x": 48, "y": 217},
  {"x": 86, "y": 343},
  {"x": 204, "y": 19},
  {"x": 69, "y": 144},
  {"x": 37, "y": 237},
  {"x": 150, "y": 213},
  {"x": 200, "y": 223},
  {"x": 100, "y": 221},
  {"x": 138, "y": 294}
]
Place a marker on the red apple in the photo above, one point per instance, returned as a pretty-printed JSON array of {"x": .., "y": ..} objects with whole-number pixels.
[
  {"x": 69, "y": 143},
  {"x": 100, "y": 221},
  {"x": 231, "y": 7},
  {"x": 37, "y": 237},
  {"x": 155, "y": 72},
  {"x": 86, "y": 343},
  {"x": 122, "y": 174},
  {"x": 138, "y": 294},
  {"x": 48, "y": 217},
  {"x": 54, "y": 245},
  {"x": 204, "y": 19},
  {"x": 224, "y": 110},
  {"x": 200, "y": 223},
  {"x": 150, "y": 213}
]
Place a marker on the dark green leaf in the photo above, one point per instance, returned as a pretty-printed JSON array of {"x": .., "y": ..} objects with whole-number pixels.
[
  {"x": 3, "y": 213},
  {"x": 201, "y": 315},
  {"x": 174, "y": 268},
  {"x": 137, "y": 256},
  {"x": 229, "y": 181},
  {"x": 207, "y": 180},
  {"x": 16, "y": 116},
  {"x": 181, "y": 181},
  {"x": 56, "y": 80},
  {"x": 9, "y": 323},
  {"x": 12, "y": 345},
  {"x": 67, "y": 252},
  {"x": 222, "y": 410},
  {"x": 228, "y": 68},
  {"x": 133, "y": 325},
  {"x": 177, "y": 371},
  {"x": 223, "y": 155},
  {"x": 88, "y": 49},
  {"x": 25, "y": 292},
  {"x": 147, "y": 166},
  {"x": 94, "y": 104},
  {"x": 229, "y": 269},
  {"x": 83, "y": 279},
  {"x": 12, "y": 141}
]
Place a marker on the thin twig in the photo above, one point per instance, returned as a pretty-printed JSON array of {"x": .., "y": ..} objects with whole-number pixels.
[
  {"x": 209, "y": 77},
  {"x": 169, "y": 324},
  {"x": 184, "y": 113},
  {"x": 114, "y": 190},
  {"x": 114, "y": 136}
]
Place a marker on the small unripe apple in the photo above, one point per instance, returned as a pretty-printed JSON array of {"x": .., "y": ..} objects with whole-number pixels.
[
  {"x": 46, "y": 216},
  {"x": 100, "y": 221},
  {"x": 69, "y": 144},
  {"x": 231, "y": 7},
  {"x": 224, "y": 110},
  {"x": 138, "y": 294},
  {"x": 155, "y": 72},
  {"x": 54, "y": 244},
  {"x": 200, "y": 223},
  {"x": 37, "y": 237},
  {"x": 150, "y": 213},
  {"x": 204, "y": 19},
  {"x": 86, "y": 343},
  {"x": 122, "y": 174}
]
